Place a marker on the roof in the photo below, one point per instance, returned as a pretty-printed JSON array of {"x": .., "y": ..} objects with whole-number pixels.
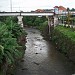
[
  {"x": 60, "y": 7},
  {"x": 39, "y": 10}
]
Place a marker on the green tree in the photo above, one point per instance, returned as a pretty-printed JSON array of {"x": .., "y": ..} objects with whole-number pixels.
[{"x": 33, "y": 20}]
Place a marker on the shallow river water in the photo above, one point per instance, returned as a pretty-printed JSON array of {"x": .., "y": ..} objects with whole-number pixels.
[{"x": 42, "y": 58}]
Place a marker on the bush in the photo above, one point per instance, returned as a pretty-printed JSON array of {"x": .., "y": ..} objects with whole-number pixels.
[
  {"x": 33, "y": 20},
  {"x": 64, "y": 38},
  {"x": 43, "y": 27},
  {"x": 10, "y": 48}
]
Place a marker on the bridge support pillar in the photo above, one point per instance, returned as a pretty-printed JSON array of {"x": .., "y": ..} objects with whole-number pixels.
[
  {"x": 50, "y": 23},
  {"x": 56, "y": 22},
  {"x": 20, "y": 22}
]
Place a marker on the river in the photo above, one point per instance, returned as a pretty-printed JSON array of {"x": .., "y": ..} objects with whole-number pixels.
[{"x": 42, "y": 58}]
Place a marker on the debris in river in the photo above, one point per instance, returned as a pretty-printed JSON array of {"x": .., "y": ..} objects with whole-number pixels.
[
  {"x": 22, "y": 60},
  {"x": 40, "y": 48},
  {"x": 24, "y": 69},
  {"x": 36, "y": 53},
  {"x": 36, "y": 63}
]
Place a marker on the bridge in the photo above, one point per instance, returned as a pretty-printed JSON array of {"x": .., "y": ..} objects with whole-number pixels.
[
  {"x": 21, "y": 14},
  {"x": 52, "y": 17},
  {"x": 26, "y": 13},
  {"x": 34, "y": 13}
]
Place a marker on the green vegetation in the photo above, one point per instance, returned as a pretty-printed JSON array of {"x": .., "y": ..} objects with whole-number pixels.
[
  {"x": 64, "y": 38},
  {"x": 33, "y": 20},
  {"x": 44, "y": 29},
  {"x": 40, "y": 23},
  {"x": 11, "y": 48}
]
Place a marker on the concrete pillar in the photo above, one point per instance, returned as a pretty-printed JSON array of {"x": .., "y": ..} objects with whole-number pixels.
[
  {"x": 20, "y": 20},
  {"x": 56, "y": 22},
  {"x": 52, "y": 21},
  {"x": 49, "y": 23}
]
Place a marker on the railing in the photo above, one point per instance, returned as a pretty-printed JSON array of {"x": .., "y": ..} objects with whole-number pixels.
[{"x": 26, "y": 13}]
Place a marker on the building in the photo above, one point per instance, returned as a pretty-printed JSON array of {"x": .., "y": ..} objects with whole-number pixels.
[
  {"x": 48, "y": 10},
  {"x": 59, "y": 9},
  {"x": 39, "y": 10},
  {"x": 44, "y": 10}
]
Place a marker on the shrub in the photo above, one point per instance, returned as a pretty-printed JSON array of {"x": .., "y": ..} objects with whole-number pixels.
[
  {"x": 9, "y": 41},
  {"x": 64, "y": 38}
]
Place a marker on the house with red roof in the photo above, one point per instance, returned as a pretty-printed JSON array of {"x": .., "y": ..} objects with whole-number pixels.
[{"x": 59, "y": 9}]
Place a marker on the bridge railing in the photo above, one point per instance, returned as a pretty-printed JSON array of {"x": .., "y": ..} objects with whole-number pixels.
[{"x": 26, "y": 13}]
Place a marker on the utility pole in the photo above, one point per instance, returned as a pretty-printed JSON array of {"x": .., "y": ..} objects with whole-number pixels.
[
  {"x": 11, "y": 11},
  {"x": 68, "y": 17},
  {"x": 11, "y": 5}
]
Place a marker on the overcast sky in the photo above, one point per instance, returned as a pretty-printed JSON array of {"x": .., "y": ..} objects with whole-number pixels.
[{"x": 28, "y": 5}]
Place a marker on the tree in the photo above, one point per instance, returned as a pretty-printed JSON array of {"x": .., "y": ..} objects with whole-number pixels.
[
  {"x": 73, "y": 9},
  {"x": 33, "y": 20}
]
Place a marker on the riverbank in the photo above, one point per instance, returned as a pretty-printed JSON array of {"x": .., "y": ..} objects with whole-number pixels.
[
  {"x": 12, "y": 45},
  {"x": 64, "y": 39}
]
